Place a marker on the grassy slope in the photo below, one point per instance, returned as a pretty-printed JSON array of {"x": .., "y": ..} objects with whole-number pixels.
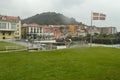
[
  {"x": 4, "y": 44},
  {"x": 72, "y": 64}
]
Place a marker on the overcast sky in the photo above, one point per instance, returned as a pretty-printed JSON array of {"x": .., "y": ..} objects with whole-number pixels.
[{"x": 78, "y": 9}]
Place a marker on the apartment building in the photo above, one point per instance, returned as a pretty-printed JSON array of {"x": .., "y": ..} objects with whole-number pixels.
[
  {"x": 43, "y": 32},
  {"x": 81, "y": 30},
  {"x": 93, "y": 30},
  {"x": 31, "y": 31},
  {"x": 10, "y": 27},
  {"x": 51, "y": 31},
  {"x": 108, "y": 30}
]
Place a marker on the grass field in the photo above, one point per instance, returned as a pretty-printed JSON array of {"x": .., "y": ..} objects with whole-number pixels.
[
  {"x": 97, "y": 63},
  {"x": 10, "y": 46}
]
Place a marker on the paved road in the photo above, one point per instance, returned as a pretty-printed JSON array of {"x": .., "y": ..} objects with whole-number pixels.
[{"x": 27, "y": 44}]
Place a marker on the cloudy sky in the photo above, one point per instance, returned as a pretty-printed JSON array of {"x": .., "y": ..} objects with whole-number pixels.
[{"x": 78, "y": 9}]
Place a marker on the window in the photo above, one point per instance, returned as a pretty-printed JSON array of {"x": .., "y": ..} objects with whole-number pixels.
[
  {"x": 34, "y": 30},
  {"x": 40, "y": 29},
  {"x": 13, "y": 25},
  {"x": 8, "y": 25},
  {"x": 3, "y": 37},
  {"x": 2, "y": 25},
  {"x": 31, "y": 30},
  {"x": 3, "y": 18},
  {"x": 37, "y": 30},
  {"x": 3, "y": 33},
  {"x": 9, "y": 33}
]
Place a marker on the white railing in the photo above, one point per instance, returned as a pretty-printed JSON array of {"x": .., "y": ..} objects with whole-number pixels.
[
  {"x": 7, "y": 29},
  {"x": 11, "y": 48}
]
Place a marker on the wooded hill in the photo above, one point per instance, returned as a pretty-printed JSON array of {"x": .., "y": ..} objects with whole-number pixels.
[{"x": 50, "y": 18}]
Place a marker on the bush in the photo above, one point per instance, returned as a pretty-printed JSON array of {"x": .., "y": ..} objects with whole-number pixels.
[{"x": 106, "y": 41}]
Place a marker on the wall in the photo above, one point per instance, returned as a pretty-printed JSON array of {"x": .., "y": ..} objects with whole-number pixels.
[
  {"x": 6, "y": 35},
  {"x": 17, "y": 33}
]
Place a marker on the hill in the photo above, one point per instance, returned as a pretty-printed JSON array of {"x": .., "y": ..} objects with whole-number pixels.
[{"x": 50, "y": 18}]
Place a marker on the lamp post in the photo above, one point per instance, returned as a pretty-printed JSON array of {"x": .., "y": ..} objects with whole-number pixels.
[{"x": 27, "y": 44}]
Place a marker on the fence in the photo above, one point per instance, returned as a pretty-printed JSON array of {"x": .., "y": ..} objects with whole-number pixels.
[{"x": 11, "y": 48}]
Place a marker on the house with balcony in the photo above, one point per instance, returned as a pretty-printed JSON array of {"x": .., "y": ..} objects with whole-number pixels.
[
  {"x": 31, "y": 31},
  {"x": 10, "y": 27}
]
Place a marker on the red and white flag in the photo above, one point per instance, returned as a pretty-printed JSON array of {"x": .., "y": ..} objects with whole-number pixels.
[{"x": 98, "y": 16}]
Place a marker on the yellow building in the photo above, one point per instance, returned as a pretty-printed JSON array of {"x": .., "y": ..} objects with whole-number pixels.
[{"x": 10, "y": 27}]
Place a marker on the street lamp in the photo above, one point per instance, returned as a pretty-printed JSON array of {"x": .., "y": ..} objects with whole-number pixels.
[{"x": 27, "y": 44}]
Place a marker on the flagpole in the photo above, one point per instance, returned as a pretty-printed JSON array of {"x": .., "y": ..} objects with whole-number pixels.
[
  {"x": 91, "y": 29},
  {"x": 97, "y": 16}
]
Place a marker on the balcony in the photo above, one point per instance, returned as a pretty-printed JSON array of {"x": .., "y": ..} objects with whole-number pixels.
[{"x": 7, "y": 29}]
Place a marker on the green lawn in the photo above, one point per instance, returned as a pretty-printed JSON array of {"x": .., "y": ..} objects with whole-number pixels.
[
  {"x": 97, "y": 63},
  {"x": 9, "y": 46}
]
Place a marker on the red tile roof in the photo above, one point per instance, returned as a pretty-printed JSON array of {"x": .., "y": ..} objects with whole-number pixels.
[
  {"x": 31, "y": 25},
  {"x": 9, "y": 18}
]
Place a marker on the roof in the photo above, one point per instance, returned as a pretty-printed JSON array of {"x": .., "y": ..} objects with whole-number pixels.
[
  {"x": 9, "y": 18},
  {"x": 31, "y": 25}
]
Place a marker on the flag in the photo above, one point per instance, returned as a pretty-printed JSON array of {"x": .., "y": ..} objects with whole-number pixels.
[
  {"x": 102, "y": 16},
  {"x": 95, "y": 16},
  {"x": 98, "y": 16}
]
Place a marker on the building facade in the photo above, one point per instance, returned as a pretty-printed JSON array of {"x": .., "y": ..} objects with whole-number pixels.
[
  {"x": 35, "y": 31},
  {"x": 31, "y": 31},
  {"x": 48, "y": 32},
  {"x": 108, "y": 30},
  {"x": 44, "y": 32},
  {"x": 10, "y": 27}
]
